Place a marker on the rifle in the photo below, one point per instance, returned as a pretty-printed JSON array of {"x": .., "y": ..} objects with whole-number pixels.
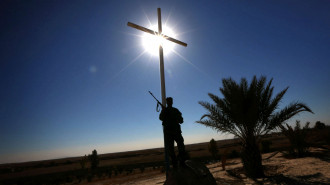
[{"x": 158, "y": 102}]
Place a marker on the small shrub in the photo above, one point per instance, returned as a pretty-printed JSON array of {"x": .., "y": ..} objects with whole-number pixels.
[
  {"x": 94, "y": 159},
  {"x": 162, "y": 170},
  {"x": 115, "y": 170},
  {"x": 188, "y": 155},
  {"x": 327, "y": 138},
  {"x": 99, "y": 174},
  {"x": 89, "y": 178},
  {"x": 213, "y": 149},
  {"x": 109, "y": 172},
  {"x": 52, "y": 164},
  {"x": 142, "y": 169},
  {"x": 319, "y": 125},
  {"x": 223, "y": 161},
  {"x": 68, "y": 162},
  {"x": 265, "y": 146},
  {"x": 80, "y": 177},
  {"x": 83, "y": 162},
  {"x": 120, "y": 169},
  {"x": 69, "y": 179},
  {"x": 234, "y": 154}
]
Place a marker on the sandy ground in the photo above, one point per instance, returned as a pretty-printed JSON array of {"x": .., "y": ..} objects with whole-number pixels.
[{"x": 278, "y": 170}]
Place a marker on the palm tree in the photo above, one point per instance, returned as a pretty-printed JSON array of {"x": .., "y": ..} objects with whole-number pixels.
[
  {"x": 248, "y": 111},
  {"x": 297, "y": 137}
]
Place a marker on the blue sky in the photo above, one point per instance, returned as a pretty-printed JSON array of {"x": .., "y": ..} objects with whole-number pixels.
[{"x": 73, "y": 77}]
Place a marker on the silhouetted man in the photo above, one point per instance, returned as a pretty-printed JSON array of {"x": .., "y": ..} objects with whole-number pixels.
[{"x": 172, "y": 118}]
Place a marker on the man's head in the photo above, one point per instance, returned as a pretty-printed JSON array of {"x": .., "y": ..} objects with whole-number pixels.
[{"x": 169, "y": 101}]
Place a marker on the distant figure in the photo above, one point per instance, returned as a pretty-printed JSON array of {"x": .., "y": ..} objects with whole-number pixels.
[{"x": 172, "y": 118}]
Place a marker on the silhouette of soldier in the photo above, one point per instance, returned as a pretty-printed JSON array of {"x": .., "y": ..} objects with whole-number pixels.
[{"x": 172, "y": 118}]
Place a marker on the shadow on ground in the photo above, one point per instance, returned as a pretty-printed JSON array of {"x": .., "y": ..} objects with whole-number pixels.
[
  {"x": 301, "y": 180},
  {"x": 271, "y": 178}
]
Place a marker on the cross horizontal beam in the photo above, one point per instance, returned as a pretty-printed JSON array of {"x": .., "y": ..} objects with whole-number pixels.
[{"x": 156, "y": 33}]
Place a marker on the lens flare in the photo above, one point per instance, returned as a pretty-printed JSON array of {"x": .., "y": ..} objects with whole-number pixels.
[{"x": 151, "y": 42}]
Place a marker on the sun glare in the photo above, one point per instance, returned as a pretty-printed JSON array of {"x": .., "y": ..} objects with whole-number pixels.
[{"x": 151, "y": 42}]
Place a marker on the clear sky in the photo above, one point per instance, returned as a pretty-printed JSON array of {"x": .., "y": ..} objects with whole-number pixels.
[{"x": 74, "y": 77}]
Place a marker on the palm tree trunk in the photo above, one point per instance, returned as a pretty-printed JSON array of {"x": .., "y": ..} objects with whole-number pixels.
[{"x": 251, "y": 158}]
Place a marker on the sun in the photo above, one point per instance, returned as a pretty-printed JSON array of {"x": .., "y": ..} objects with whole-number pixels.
[{"x": 151, "y": 42}]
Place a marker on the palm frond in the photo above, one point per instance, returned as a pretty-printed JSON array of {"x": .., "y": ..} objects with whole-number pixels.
[{"x": 287, "y": 113}]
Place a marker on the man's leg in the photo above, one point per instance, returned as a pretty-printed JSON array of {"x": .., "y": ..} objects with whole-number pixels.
[
  {"x": 182, "y": 152},
  {"x": 170, "y": 146}
]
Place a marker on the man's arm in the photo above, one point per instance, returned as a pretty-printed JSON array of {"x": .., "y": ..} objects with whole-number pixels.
[
  {"x": 179, "y": 116},
  {"x": 162, "y": 115}
]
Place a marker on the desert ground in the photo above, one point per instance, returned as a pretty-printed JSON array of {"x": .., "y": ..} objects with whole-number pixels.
[
  {"x": 279, "y": 169},
  {"x": 146, "y": 166}
]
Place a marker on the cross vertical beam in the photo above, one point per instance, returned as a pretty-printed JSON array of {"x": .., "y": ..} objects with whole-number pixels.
[
  {"x": 163, "y": 91},
  {"x": 161, "y": 60}
]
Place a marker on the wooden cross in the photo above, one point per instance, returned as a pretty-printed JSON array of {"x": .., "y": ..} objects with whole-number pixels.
[{"x": 161, "y": 59}]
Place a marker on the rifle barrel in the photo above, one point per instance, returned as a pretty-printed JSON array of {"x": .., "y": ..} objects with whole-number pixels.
[{"x": 156, "y": 99}]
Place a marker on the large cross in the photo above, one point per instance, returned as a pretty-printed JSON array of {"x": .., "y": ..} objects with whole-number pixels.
[{"x": 161, "y": 64}]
